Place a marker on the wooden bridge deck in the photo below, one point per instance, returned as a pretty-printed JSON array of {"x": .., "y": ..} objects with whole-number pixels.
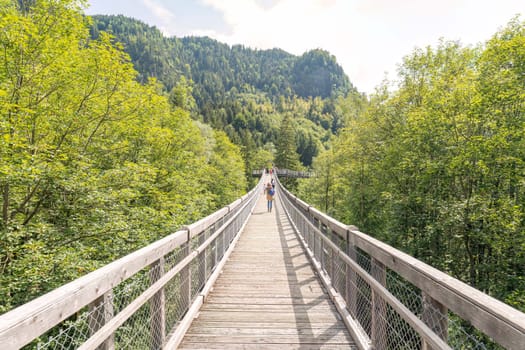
[{"x": 268, "y": 295}]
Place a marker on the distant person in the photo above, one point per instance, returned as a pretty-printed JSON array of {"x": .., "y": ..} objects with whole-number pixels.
[
  {"x": 270, "y": 193},
  {"x": 273, "y": 183}
]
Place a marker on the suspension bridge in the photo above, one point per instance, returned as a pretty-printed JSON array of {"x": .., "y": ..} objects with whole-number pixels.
[{"x": 245, "y": 278}]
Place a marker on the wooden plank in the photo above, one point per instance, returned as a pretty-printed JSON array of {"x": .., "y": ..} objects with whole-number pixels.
[
  {"x": 199, "y": 323},
  {"x": 243, "y": 331},
  {"x": 270, "y": 308},
  {"x": 298, "y": 290},
  {"x": 266, "y": 300},
  {"x": 267, "y": 346},
  {"x": 247, "y": 316},
  {"x": 269, "y": 339}
]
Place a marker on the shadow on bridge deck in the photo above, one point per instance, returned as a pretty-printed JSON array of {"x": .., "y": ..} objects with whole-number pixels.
[{"x": 268, "y": 296}]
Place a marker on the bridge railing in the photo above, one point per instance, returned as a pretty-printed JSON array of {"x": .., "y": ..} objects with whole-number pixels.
[
  {"x": 284, "y": 173},
  {"x": 391, "y": 300},
  {"x": 145, "y": 300}
]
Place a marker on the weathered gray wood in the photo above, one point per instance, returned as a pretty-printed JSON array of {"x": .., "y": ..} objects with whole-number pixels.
[
  {"x": 246, "y": 331},
  {"x": 185, "y": 279},
  {"x": 204, "y": 223},
  {"x": 262, "y": 339},
  {"x": 157, "y": 307},
  {"x": 114, "y": 323},
  {"x": 435, "y": 316},
  {"x": 501, "y": 322},
  {"x": 25, "y": 323},
  {"x": 236, "y": 325},
  {"x": 177, "y": 334},
  {"x": 100, "y": 312},
  {"x": 351, "y": 279},
  {"x": 319, "y": 308},
  {"x": 267, "y": 295},
  {"x": 379, "y": 317},
  {"x": 361, "y": 339},
  {"x": 267, "y": 346}
]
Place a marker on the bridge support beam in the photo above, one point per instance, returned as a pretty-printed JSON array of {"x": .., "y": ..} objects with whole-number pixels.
[
  {"x": 157, "y": 307},
  {"x": 185, "y": 285},
  {"x": 379, "y": 334},
  {"x": 203, "y": 265},
  {"x": 351, "y": 278},
  {"x": 101, "y": 312},
  {"x": 435, "y": 316}
]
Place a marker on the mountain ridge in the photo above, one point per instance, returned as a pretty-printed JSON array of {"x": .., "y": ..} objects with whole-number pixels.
[{"x": 213, "y": 65}]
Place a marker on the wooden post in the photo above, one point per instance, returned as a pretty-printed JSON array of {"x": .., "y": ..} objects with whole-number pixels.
[
  {"x": 157, "y": 307},
  {"x": 314, "y": 236},
  {"x": 321, "y": 257},
  {"x": 224, "y": 239},
  {"x": 322, "y": 227},
  {"x": 203, "y": 266},
  {"x": 332, "y": 270},
  {"x": 379, "y": 322},
  {"x": 351, "y": 279},
  {"x": 321, "y": 246},
  {"x": 185, "y": 286},
  {"x": 100, "y": 312},
  {"x": 435, "y": 316},
  {"x": 213, "y": 248}
]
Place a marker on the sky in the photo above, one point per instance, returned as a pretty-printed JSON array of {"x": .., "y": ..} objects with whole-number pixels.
[{"x": 369, "y": 38}]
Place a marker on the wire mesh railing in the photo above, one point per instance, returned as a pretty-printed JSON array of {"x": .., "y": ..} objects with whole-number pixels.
[
  {"x": 141, "y": 301},
  {"x": 393, "y": 301}
]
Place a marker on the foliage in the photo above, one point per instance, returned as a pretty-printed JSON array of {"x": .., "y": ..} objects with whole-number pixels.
[
  {"x": 93, "y": 164},
  {"x": 316, "y": 73},
  {"x": 216, "y": 68},
  {"x": 287, "y": 157},
  {"x": 436, "y": 167},
  {"x": 238, "y": 90}
]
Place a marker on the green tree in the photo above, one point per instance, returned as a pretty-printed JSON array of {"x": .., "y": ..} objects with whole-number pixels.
[
  {"x": 287, "y": 157},
  {"x": 93, "y": 165},
  {"x": 435, "y": 167}
]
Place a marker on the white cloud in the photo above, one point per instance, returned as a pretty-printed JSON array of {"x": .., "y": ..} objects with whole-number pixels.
[
  {"x": 164, "y": 17},
  {"x": 294, "y": 25}
]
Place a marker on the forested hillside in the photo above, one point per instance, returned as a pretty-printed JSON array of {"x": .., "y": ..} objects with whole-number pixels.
[
  {"x": 217, "y": 68},
  {"x": 241, "y": 91},
  {"x": 436, "y": 167},
  {"x": 93, "y": 164}
]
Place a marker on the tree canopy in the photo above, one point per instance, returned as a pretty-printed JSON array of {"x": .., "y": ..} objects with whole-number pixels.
[
  {"x": 238, "y": 90},
  {"x": 93, "y": 164},
  {"x": 436, "y": 166}
]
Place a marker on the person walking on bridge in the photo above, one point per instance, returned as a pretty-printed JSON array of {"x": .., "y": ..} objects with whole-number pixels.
[{"x": 270, "y": 192}]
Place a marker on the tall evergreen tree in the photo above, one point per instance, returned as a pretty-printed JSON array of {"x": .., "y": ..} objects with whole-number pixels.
[{"x": 287, "y": 157}]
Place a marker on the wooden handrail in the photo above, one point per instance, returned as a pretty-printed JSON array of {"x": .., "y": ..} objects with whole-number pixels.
[
  {"x": 504, "y": 324},
  {"x": 402, "y": 310},
  {"x": 23, "y": 324},
  {"x": 20, "y": 326}
]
